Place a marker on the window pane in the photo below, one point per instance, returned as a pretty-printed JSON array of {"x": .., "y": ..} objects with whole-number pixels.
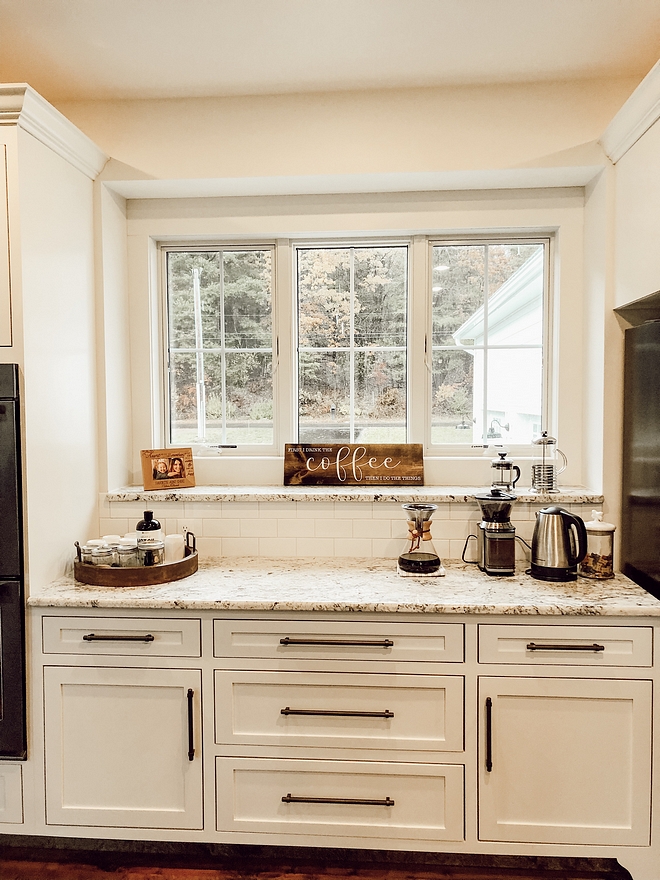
[
  {"x": 380, "y": 296},
  {"x": 452, "y": 401},
  {"x": 324, "y": 397},
  {"x": 324, "y": 298},
  {"x": 492, "y": 392},
  {"x": 218, "y": 302},
  {"x": 355, "y": 300},
  {"x": 380, "y": 397},
  {"x": 457, "y": 288},
  {"x": 247, "y": 295}
]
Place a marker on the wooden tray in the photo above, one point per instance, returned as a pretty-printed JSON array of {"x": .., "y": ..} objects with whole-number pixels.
[{"x": 138, "y": 576}]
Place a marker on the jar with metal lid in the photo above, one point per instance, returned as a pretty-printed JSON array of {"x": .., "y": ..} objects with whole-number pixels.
[
  {"x": 152, "y": 553},
  {"x": 598, "y": 563},
  {"x": 104, "y": 556},
  {"x": 127, "y": 554},
  {"x": 86, "y": 554}
]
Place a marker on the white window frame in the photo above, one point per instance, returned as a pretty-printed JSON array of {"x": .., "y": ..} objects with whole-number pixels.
[{"x": 419, "y": 327}]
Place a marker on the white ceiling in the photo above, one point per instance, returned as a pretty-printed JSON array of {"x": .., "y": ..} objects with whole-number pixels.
[{"x": 102, "y": 49}]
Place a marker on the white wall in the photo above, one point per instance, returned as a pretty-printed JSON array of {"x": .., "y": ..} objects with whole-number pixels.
[
  {"x": 399, "y": 130},
  {"x": 58, "y": 330}
]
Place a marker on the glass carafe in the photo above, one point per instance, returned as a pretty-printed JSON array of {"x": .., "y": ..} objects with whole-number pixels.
[{"x": 420, "y": 557}]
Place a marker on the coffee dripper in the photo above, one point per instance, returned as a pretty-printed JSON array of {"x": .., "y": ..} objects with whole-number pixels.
[{"x": 420, "y": 558}]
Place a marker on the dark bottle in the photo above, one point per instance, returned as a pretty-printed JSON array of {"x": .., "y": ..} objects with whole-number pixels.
[{"x": 149, "y": 528}]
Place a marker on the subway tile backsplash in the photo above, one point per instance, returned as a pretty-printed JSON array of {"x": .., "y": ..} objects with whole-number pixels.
[{"x": 312, "y": 528}]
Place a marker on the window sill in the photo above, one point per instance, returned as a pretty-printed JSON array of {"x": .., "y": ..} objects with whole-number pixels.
[{"x": 358, "y": 494}]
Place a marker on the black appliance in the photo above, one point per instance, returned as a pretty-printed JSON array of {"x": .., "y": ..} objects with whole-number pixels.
[
  {"x": 640, "y": 513},
  {"x": 12, "y": 617}
]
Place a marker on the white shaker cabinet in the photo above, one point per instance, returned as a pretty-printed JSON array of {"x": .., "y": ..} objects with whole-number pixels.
[
  {"x": 5, "y": 288},
  {"x": 122, "y": 741},
  {"x": 565, "y": 760}
]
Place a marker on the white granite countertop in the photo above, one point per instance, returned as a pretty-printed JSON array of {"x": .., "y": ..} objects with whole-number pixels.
[
  {"x": 430, "y": 494},
  {"x": 366, "y": 585}
]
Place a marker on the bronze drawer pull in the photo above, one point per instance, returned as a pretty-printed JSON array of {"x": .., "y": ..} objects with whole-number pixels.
[
  {"x": 489, "y": 735},
  {"x": 384, "y": 643},
  {"x": 191, "y": 731},
  {"x": 532, "y": 646},
  {"x": 290, "y": 799},
  {"x": 99, "y": 637},
  {"x": 337, "y": 713}
]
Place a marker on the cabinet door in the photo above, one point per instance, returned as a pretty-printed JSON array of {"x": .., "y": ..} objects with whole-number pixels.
[
  {"x": 122, "y": 747},
  {"x": 5, "y": 288},
  {"x": 565, "y": 760}
]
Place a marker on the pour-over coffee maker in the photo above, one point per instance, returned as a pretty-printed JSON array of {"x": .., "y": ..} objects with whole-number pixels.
[
  {"x": 420, "y": 558},
  {"x": 496, "y": 538}
]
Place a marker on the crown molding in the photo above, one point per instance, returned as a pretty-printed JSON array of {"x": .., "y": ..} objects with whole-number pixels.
[
  {"x": 638, "y": 114},
  {"x": 20, "y": 105}
]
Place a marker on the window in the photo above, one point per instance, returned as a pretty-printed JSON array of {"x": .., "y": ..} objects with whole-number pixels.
[
  {"x": 343, "y": 371},
  {"x": 220, "y": 346},
  {"x": 352, "y": 305},
  {"x": 488, "y": 324}
]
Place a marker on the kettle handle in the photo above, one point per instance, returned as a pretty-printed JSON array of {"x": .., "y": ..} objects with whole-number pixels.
[
  {"x": 517, "y": 470},
  {"x": 581, "y": 531}
]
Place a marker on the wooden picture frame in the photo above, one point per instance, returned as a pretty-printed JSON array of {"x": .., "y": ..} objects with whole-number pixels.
[{"x": 167, "y": 468}]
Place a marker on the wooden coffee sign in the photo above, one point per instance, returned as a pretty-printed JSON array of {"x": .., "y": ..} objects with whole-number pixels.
[{"x": 353, "y": 464}]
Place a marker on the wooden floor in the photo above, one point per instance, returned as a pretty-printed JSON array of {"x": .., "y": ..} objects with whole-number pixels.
[
  {"x": 111, "y": 867},
  {"x": 11, "y": 869}
]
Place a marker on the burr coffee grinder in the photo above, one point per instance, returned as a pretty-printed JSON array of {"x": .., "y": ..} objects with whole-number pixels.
[{"x": 496, "y": 544}]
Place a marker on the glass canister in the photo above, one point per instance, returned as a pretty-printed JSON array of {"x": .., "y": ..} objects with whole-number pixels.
[
  {"x": 152, "y": 553},
  {"x": 104, "y": 556},
  {"x": 127, "y": 553},
  {"x": 598, "y": 563}
]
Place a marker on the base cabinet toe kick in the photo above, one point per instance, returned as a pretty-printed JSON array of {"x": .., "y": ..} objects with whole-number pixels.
[{"x": 457, "y": 733}]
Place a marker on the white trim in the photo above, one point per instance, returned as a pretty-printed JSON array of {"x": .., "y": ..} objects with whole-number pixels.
[
  {"x": 638, "y": 114},
  {"x": 20, "y": 105}
]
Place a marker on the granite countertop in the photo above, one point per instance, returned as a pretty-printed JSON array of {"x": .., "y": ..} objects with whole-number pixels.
[
  {"x": 401, "y": 495},
  {"x": 366, "y": 585}
]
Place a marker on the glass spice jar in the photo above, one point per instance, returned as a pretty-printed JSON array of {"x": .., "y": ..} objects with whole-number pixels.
[{"x": 598, "y": 563}]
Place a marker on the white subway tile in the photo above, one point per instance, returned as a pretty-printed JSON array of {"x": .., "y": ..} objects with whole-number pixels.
[
  {"x": 110, "y": 526},
  {"x": 315, "y": 547},
  {"x": 290, "y": 528},
  {"x": 374, "y": 528},
  {"x": 443, "y": 511},
  {"x": 387, "y": 510},
  {"x": 277, "y": 547},
  {"x": 315, "y": 509},
  {"x": 455, "y": 549},
  {"x": 332, "y": 528},
  {"x": 452, "y": 529},
  {"x": 221, "y": 528},
  {"x": 196, "y": 526},
  {"x": 354, "y": 510},
  {"x": 130, "y": 509},
  {"x": 464, "y": 510},
  {"x": 240, "y": 546},
  {"x": 170, "y": 526},
  {"x": 387, "y": 549},
  {"x": 199, "y": 509},
  {"x": 258, "y": 528},
  {"x": 207, "y": 547},
  {"x": 277, "y": 509},
  {"x": 240, "y": 509},
  {"x": 353, "y": 547}
]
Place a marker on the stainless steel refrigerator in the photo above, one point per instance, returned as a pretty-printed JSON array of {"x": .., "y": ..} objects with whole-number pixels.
[
  {"x": 12, "y": 617},
  {"x": 640, "y": 521}
]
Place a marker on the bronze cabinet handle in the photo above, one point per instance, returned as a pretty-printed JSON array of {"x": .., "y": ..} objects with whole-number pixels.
[
  {"x": 489, "y": 735},
  {"x": 338, "y": 713},
  {"x": 101, "y": 637},
  {"x": 191, "y": 732},
  {"x": 383, "y": 643},
  {"x": 383, "y": 802},
  {"x": 532, "y": 646}
]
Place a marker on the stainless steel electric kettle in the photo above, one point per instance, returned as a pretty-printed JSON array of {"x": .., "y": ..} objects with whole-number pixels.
[{"x": 559, "y": 544}]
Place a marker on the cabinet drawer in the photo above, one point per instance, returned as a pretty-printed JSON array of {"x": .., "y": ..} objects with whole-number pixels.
[
  {"x": 340, "y": 798},
  {"x": 133, "y": 636},
  {"x": 333, "y": 640},
  {"x": 566, "y": 645},
  {"x": 415, "y": 712}
]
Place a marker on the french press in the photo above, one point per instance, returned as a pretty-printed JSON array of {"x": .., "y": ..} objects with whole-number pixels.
[
  {"x": 544, "y": 464},
  {"x": 503, "y": 472}
]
